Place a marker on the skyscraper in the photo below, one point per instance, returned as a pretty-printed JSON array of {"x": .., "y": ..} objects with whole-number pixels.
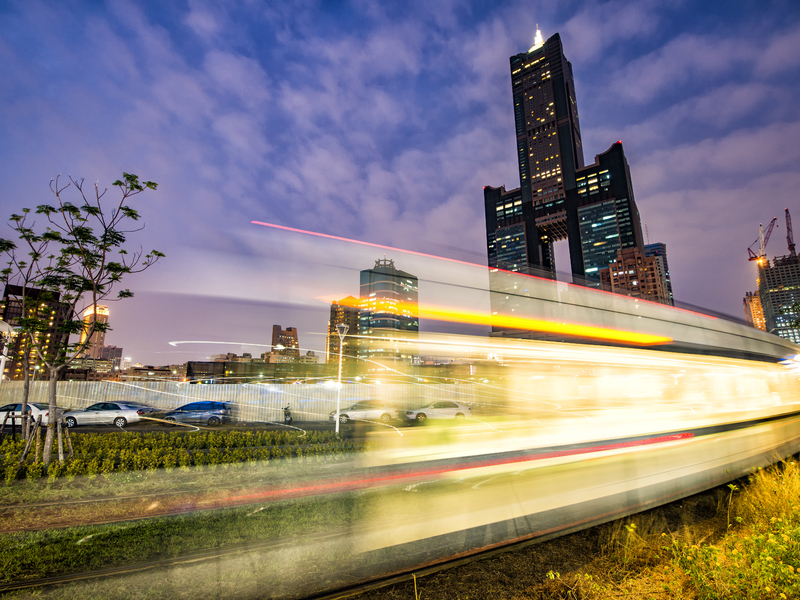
[
  {"x": 779, "y": 290},
  {"x": 633, "y": 274},
  {"x": 345, "y": 311},
  {"x": 559, "y": 198},
  {"x": 549, "y": 150},
  {"x": 659, "y": 251},
  {"x": 287, "y": 340},
  {"x": 98, "y": 339},
  {"x": 753, "y": 313},
  {"x": 41, "y": 304},
  {"x": 388, "y": 302}
]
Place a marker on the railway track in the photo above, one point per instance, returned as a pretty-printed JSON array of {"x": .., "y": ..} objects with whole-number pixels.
[{"x": 358, "y": 587}]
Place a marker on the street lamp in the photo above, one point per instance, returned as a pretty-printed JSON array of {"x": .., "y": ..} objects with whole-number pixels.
[{"x": 341, "y": 329}]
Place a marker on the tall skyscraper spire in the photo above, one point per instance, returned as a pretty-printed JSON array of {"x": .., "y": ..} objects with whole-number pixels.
[{"x": 538, "y": 41}]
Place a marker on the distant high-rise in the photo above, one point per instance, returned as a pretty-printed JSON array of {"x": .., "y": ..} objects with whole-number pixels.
[
  {"x": 32, "y": 302},
  {"x": 559, "y": 198},
  {"x": 345, "y": 311},
  {"x": 388, "y": 302},
  {"x": 779, "y": 290},
  {"x": 98, "y": 339},
  {"x": 633, "y": 274},
  {"x": 285, "y": 342},
  {"x": 659, "y": 251},
  {"x": 753, "y": 312},
  {"x": 112, "y": 353}
]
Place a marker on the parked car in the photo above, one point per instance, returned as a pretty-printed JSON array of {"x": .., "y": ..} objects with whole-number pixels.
[
  {"x": 119, "y": 414},
  {"x": 206, "y": 412},
  {"x": 37, "y": 408},
  {"x": 365, "y": 410},
  {"x": 444, "y": 409}
]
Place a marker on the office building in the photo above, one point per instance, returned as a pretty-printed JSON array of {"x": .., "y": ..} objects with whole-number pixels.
[
  {"x": 593, "y": 207},
  {"x": 779, "y": 290},
  {"x": 343, "y": 312},
  {"x": 98, "y": 338},
  {"x": 605, "y": 214},
  {"x": 388, "y": 320},
  {"x": 753, "y": 313},
  {"x": 549, "y": 150},
  {"x": 633, "y": 274},
  {"x": 659, "y": 251},
  {"x": 285, "y": 342},
  {"x": 309, "y": 358},
  {"x": 32, "y": 303}
]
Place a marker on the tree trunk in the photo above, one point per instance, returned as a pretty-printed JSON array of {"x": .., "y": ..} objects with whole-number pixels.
[
  {"x": 52, "y": 388},
  {"x": 26, "y": 385}
]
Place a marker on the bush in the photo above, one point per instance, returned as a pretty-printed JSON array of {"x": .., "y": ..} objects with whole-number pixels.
[
  {"x": 34, "y": 471},
  {"x": 107, "y": 453}
]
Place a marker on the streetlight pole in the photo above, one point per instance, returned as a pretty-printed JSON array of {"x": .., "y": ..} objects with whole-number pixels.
[{"x": 341, "y": 329}]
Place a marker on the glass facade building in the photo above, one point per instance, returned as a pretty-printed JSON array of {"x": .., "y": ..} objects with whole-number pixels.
[
  {"x": 559, "y": 197},
  {"x": 389, "y": 316},
  {"x": 779, "y": 289}
]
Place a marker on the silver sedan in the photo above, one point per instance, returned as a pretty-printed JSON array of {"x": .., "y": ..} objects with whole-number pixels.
[
  {"x": 107, "y": 413},
  {"x": 440, "y": 410}
]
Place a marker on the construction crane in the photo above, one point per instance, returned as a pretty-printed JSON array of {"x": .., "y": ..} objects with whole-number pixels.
[
  {"x": 762, "y": 240},
  {"x": 789, "y": 236}
]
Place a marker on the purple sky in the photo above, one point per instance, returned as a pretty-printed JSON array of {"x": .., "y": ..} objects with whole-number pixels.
[{"x": 383, "y": 122}]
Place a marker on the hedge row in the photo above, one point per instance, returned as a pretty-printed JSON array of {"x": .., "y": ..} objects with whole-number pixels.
[
  {"x": 91, "y": 443},
  {"x": 100, "y": 454}
]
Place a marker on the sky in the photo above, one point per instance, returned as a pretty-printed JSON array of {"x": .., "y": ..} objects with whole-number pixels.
[{"x": 382, "y": 122}]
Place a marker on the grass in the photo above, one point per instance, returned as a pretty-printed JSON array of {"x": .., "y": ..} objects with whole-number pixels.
[
  {"x": 34, "y": 555},
  {"x": 132, "y": 495}
]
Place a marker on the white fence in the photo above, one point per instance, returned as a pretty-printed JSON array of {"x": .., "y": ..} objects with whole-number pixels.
[{"x": 252, "y": 402}]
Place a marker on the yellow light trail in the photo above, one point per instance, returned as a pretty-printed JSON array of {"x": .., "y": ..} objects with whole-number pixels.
[{"x": 455, "y": 315}]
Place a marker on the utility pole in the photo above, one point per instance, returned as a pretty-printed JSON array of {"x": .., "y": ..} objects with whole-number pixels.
[{"x": 341, "y": 329}]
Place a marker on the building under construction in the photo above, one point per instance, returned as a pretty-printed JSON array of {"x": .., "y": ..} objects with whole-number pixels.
[{"x": 778, "y": 289}]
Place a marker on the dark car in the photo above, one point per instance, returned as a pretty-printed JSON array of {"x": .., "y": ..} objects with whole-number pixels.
[{"x": 207, "y": 412}]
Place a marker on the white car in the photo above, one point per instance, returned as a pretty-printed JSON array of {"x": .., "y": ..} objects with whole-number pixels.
[
  {"x": 107, "y": 413},
  {"x": 444, "y": 409},
  {"x": 365, "y": 410},
  {"x": 36, "y": 408}
]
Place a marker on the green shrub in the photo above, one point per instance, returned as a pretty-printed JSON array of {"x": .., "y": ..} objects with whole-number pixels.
[
  {"x": 34, "y": 471},
  {"x": 107, "y": 467},
  {"x": 93, "y": 468},
  {"x": 55, "y": 470},
  {"x": 74, "y": 468}
]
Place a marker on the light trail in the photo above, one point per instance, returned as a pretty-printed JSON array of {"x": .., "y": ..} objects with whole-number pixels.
[
  {"x": 457, "y": 315},
  {"x": 460, "y": 262},
  {"x": 362, "y": 243}
]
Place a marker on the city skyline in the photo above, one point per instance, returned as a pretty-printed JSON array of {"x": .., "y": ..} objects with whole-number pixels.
[{"x": 383, "y": 125}]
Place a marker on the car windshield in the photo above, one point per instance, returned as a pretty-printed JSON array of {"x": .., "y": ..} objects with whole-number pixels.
[{"x": 40, "y": 405}]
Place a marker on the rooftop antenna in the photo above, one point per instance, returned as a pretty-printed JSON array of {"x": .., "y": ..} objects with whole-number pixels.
[{"x": 646, "y": 234}]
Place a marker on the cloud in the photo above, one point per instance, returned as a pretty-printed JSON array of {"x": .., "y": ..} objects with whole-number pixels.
[
  {"x": 599, "y": 25},
  {"x": 682, "y": 60}
]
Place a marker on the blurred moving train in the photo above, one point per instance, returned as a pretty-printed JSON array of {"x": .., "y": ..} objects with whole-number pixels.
[{"x": 565, "y": 434}]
